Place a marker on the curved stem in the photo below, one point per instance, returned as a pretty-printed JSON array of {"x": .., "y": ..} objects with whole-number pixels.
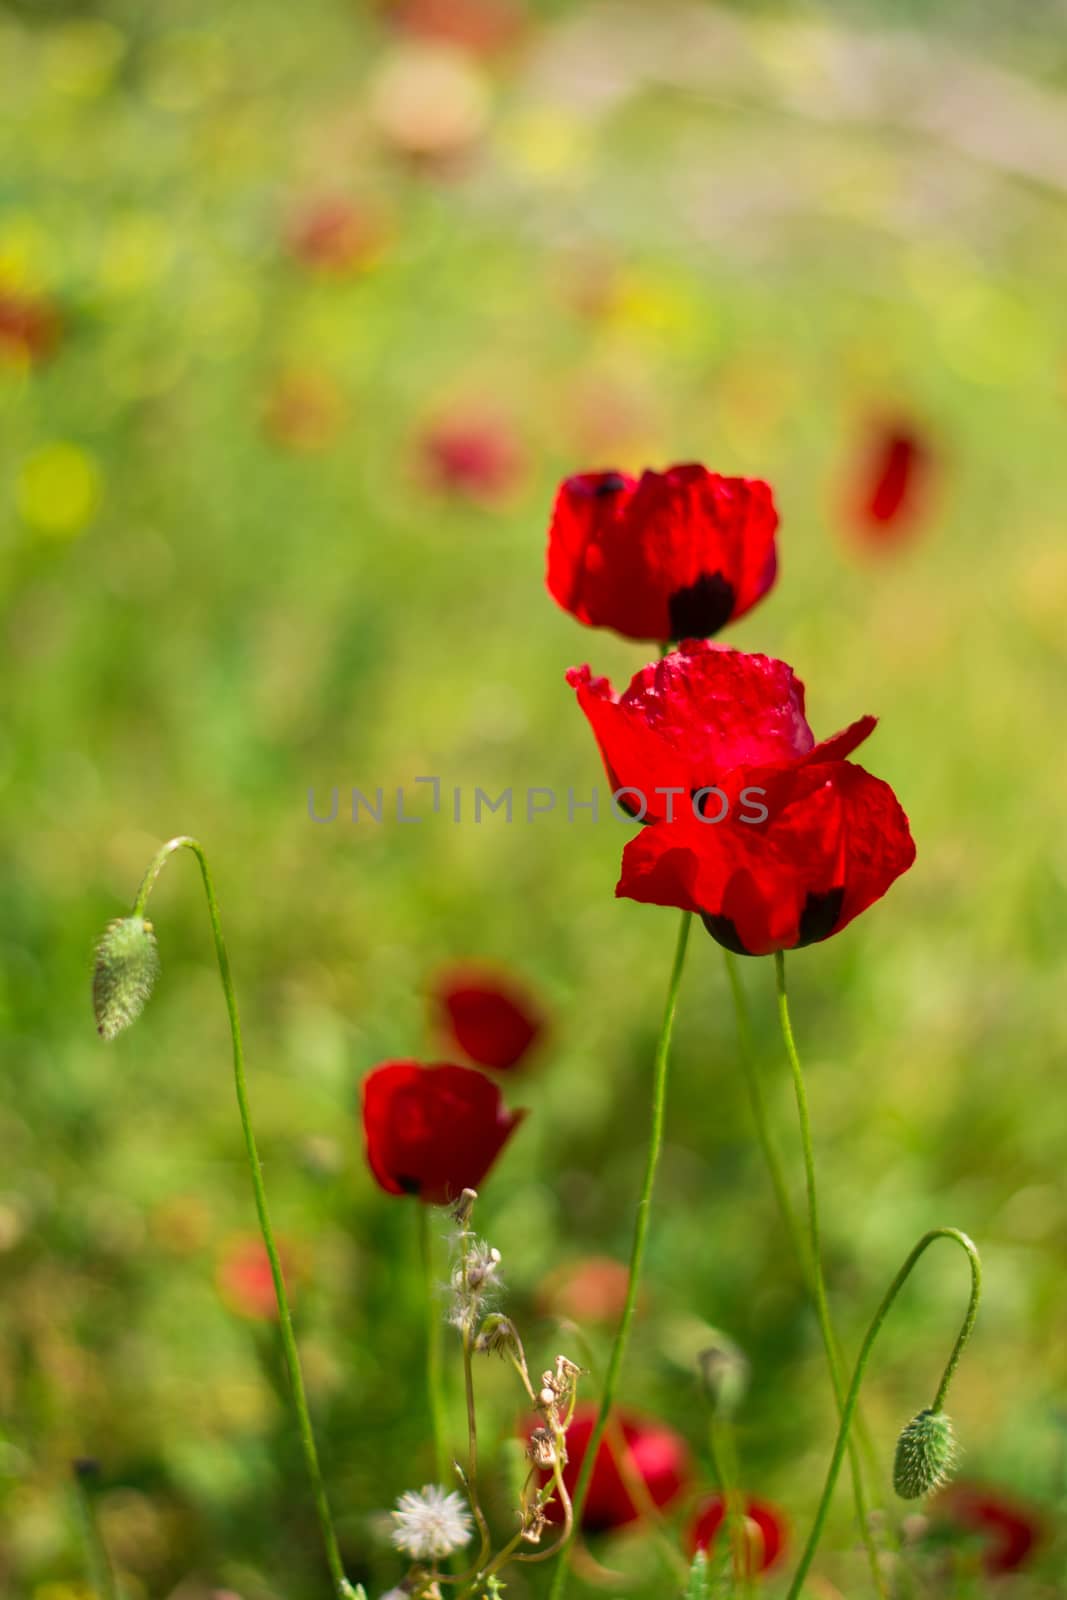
[
  {"x": 434, "y": 1389},
  {"x": 818, "y": 1280},
  {"x": 637, "y": 1252},
  {"x": 285, "y": 1321},
  {"x": 880, "y": 1315}
]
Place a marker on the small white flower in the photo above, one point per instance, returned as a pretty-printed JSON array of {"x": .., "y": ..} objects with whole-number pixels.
[{"x": 431, "y": 1524}]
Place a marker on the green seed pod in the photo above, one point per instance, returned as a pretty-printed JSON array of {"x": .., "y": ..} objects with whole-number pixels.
[
  {"x": 126, "y": 968},
  {"x": 925, "y": 1455}
]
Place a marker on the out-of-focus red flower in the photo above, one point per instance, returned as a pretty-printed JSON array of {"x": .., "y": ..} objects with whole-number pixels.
[
  {"x": 591, "y": 1290},
  {"x": 244, "y": 1280},
  {"x": 481, "y": 27},
  {"x": 492, "y": 1019},
  {"x": 433, "y": 1131},
  {"x": 1011, "y": 1530},
  {"x": 672, "y": 555},
  {"x": 335, "y": 236},
  {"x": 30, "y": 329},
  {"x": 303, "y": 411},
  {"x": 890, "y": 485},
  {"x": 654, "y": 1455},
  {"x": 765, "y": 1530},
  {"x": 475, "y": 458},
  {"x": 695, "y": 716}
]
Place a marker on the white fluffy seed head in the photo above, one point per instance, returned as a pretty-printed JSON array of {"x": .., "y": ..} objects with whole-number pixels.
[{"x": 431, "y": 1523}]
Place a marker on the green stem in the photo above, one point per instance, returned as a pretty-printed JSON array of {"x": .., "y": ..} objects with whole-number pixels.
[
  {"x": 434, "y": 1380},
  {"x": 818, "y": 1279},
  {"x": 723, "y": 1451},
  {"x": 97, "y": 1561},
  {"x": 285, "y": 1320},
  {"x": 637, "y": 1251},
  {"x": 880, "y": 1315}
]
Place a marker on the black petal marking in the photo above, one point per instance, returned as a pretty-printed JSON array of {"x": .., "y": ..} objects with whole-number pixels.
[
  {"x": 819, "y": 916},
  {"x": 702, "y": 608},
  {"x": 724, "y": 932}
]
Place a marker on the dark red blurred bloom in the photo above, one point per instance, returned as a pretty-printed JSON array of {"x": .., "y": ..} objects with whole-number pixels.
[
  {"x": 245, "y": 1281},
  {"x": 765, "y": 1528},
  {"x": 698, "y": 714},
  {"x": 671, "y": 555},
  {"x": 891, "y": 482},
  {"x": 1011, "y": 1530},
  {"x": 491, "y": 1018},
  {"x": 29, "y": 328},
  {"x": 335, "y": 236},
  {"x": 476, "y": 458},
  {"x": 433, "y": 1131},
  {"x": 654, "y": 1453}
]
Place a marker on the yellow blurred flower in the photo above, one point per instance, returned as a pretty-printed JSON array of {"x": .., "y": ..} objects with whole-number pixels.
[{"x": 58, "y": 489}]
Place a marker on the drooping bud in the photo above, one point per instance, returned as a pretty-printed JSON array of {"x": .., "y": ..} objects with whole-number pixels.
[
  {"x": 497, "y": 1336},
  {"x": 723, "y": 1369},
  {"x": 925, "y": 1456},
  {"x": 124, "y": 973}
]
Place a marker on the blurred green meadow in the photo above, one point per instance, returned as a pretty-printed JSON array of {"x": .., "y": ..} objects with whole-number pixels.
[{"x": 239, "y": 562}]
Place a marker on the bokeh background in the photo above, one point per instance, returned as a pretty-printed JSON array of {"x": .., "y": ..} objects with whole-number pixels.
[{"x": 303, "y": 313}]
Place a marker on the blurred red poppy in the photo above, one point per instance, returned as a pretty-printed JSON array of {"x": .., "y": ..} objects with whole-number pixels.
[
  {"x": 244, "y": 1278},
  {"x": 672, "y": 555},
  {"x": 698, "y": 714},
  {"x": 781, "y": 856},
  {"x": 482, "y": 27},
  {"x": 335, "y": 236},
  {"x": 474, "y": 458},
  {"x": 590, "y": 1290},
  {"x": 490, "y": 1017},
  {"x": 29, "y": 328},
  {"x": 1011, "y": 1530},
  {"x": 433, "y": 1131},
  {"x": 765, "y": 1530},
  {"x": 889, "y": 491},
  {"x": 655, "y": 1455}
]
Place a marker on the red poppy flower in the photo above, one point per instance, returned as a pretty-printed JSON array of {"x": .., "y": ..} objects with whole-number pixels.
[
  {"x": 765, "y": 1529},
  {"x": 701, "y": 712},
  {"x": 490, "y": 1018},
  {"x": 29, "y": 329},
  {"x": 889, "y": 493},
  {"x": 655, "y": 1455},
  {"x": 245, "y": 1281},
  {"x": 475, "y": 458},
  {"x": 591, "y": 1290},
  {"x": 1011, "y": 1530},
  {"x": 433, "y": 1131},
  {"x": 482, "y": 27},
  {"x": 335, "y": 236},
  {"x": 788, "y": 856},
  {"x": 672, "y": 555}
]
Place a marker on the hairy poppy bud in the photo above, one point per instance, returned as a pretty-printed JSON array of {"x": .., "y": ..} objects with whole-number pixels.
[
  {"x": 925, "y": 1455},
  {"x": 125, "y": 971}
]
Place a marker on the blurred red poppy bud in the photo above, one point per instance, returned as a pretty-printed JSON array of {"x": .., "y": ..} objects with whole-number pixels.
[
  {"x": 671, "y": 555},
  {"x": 891, "y": 482},
  {"x": 765, "y": 1531},
  {"x": 491, "y": 1018},
  {"x": 30, "y": 329},
  {"x": 335, "y": 237},
  {"x": 1010, "y": 1530},
  {"x": 245, "y": 1282},
  {"x": 480, "y": 27},
  {"x": 433, "y": 1131},
  {"x": 473, "y": 458},
  {"x": 591, "y": 1290},
  {"x": 654, "y": 1453}
]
